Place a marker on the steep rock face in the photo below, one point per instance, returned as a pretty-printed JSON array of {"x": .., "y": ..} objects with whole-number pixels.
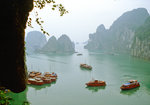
[
  {"x": 65, "y": 44},
  {"x": 119, "y": 37},
  {"x": 35, "y": 40},
  {"x": 141, "y": 45},
  {"x": 51, "y": 45},
  {"x": 141, "y": 48},
  {"x": 13, "y": 21},
  {"x": 62, "y": 45},
  {"x": 123, "y": 29},
  {"x": 97, "y": 40}
]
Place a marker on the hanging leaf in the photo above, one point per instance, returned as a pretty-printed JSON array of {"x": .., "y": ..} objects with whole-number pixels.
[{"x": 40, "y": 4}]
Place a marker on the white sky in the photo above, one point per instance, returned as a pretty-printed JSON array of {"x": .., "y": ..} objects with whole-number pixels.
[{"x": 85, "y": 16}]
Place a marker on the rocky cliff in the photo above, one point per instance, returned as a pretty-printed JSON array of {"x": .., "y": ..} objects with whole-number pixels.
[
  {"x": 119, "y": 37},
  {"x": 35, "y": 40},
  {"x": 14, "y": 16},
  {"x": 62, "y": 45},
  {"x": 97, "y": 40},
  {"x": 65, "y": 44},
  {"x": 51, "y": 45},
  {"x": 141, "y": 44}
]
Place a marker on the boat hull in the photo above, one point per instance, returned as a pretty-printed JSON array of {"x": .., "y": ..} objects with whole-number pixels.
[
  {"x": 85, "y": 66},
  {"x": 130, "y": 87},
  {"x": 53, "y": 79},
  {"x": 47, "y": 81},
  {"x": 93, "y": 85},
  {"x": 36, "y": 82}
]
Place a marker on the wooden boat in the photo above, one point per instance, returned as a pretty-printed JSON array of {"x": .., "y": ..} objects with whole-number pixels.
[
  {"x": 86, "y": 66},
  {"x": 47, "y": 74},
  {"x": 31, "y": 75},
  {"x": 34, "y": 74},
  {"x": 96, "y": 83},
  {"x": 47, "y": 80},
  {"x": 31, "y": 80},
  {"x": 130, "y": 85},
  {"x": 35, "y": 81},
  {"x": 79, "y": 54},
  {"x": 53, "y": 75},
  {"x": 53, "y": 79},
  {"x": 38, "y": 73}
]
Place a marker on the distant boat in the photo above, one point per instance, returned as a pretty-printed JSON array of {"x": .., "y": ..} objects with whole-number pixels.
[
  {"x": 37, "y": 78},
  {"x": 130, "y": 85},
  {"x": 79, "y": 54},
  {"x": 94, "y": 83},
  {"x": 86, "y": 66}
]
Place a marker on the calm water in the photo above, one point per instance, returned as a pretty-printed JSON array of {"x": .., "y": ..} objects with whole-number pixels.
[{"x": 70, "y": 89}]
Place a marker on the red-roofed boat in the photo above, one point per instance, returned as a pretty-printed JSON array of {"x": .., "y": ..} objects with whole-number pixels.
[
  {"x": 35, "y": 81},
  {"x": 86, "y": 66},
  {"x": 130, "y": 85},
  {"x": 47, "y": 80},
  {"x": 96, "y": 83},
  {"x": 47, "y": 74},
  {"x": 53, "y": 79}
]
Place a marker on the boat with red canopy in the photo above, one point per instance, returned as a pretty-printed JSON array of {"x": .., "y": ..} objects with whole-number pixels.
[
  {"x": 96, "y": 83},
  {"x": 85, "y": 66},
  {"x": 130, "y": 85}
]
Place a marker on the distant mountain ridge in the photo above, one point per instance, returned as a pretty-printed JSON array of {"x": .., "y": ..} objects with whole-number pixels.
[
  {"x": 141, "y": 44},
  {"x": 119, "y": 37},
  {"x": 36, "y": 43},
  {"x": 62, "y": 45},
  {"x": 35, "y": 40}
]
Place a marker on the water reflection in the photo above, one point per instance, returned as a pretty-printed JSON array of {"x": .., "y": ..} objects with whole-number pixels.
[
  {"x": 39, "y": 87},
  {"x": 146, "y": 86},
  {"x": 42, "y": 86},
  {"x": 95, "y": 89},
  {"x": 18, "y": 98},
  {"x": 84, "y": 69},
  {"x": 129, "y": 92},
  {"x": 113, "y": 69}
]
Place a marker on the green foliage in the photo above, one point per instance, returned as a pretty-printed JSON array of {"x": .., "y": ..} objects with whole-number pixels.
[
  {"x": 26, "y": 103},
  {"x": 4, "y": 99},
  {"x": 40, "y": 4},
  {"x": 143, "y": 31}
]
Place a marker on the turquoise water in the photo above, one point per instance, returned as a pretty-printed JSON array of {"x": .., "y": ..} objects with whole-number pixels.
[{"x": 70, "y": 88}]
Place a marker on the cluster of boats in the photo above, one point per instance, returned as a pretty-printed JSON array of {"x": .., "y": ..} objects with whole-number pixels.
[
  {"x": 93, "y": 83},
  {"x": 37, "y": 78},
  {"x": 85, "y": 66},
  {"x": 129, "y": 85}
]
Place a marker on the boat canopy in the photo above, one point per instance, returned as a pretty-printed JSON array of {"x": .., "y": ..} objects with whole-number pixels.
[
  {"x": 126, "y": 84},
  {"x": 132, "y": 80}
]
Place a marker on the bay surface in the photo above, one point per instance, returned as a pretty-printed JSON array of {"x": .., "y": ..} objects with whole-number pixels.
[{"x": 70, "y": 88}]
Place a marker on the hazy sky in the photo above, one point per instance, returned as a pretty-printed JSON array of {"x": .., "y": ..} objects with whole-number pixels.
[{"x": 85, "y": 16}]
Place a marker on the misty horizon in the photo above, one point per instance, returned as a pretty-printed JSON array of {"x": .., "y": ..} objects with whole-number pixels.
[{"x": 82, "y": 21}]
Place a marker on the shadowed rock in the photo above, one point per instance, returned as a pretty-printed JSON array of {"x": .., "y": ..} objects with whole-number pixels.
[{"x": 13, "y": 21}]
